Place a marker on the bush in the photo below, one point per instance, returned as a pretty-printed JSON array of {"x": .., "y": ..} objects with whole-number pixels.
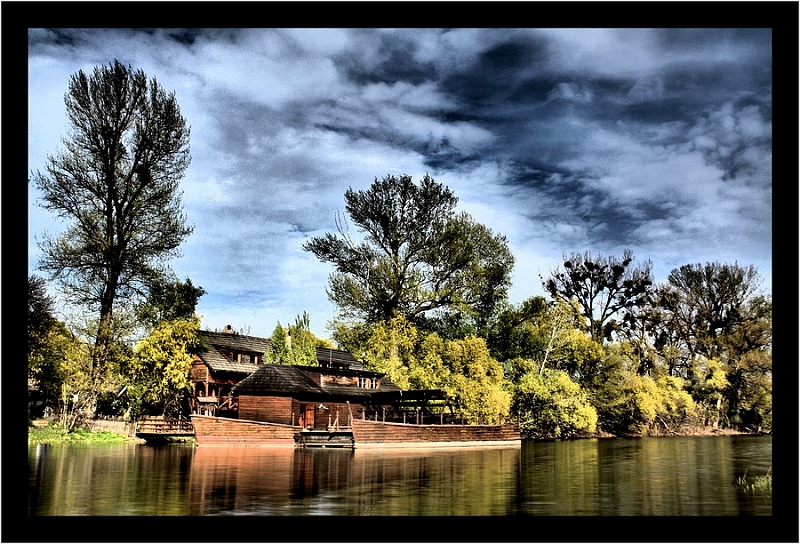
[{"x": 551, "y": 405}]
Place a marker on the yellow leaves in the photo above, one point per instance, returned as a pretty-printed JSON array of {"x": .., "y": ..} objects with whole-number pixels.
[
  {"x": 162, "y": 360},
  {"x": 554, "y": 406}
]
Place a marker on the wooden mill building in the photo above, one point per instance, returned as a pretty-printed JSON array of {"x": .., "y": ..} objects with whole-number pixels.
[{"x": 230, "y": 379}]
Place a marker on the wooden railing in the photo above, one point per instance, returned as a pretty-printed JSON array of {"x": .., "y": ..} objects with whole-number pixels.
[{"x": 154, "y": 425}]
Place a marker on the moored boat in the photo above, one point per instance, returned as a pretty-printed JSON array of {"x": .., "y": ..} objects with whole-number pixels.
[
  {"x": 377, "y": 434},
  {"x": 223, "y": 431}
]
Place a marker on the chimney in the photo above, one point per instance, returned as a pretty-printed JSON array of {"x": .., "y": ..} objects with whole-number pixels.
[{"x": 228, "y": 329}]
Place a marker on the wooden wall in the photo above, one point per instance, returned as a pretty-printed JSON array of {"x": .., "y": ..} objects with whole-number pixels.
[
  {"x": 366, "y": 432},
  {"x": 271, "y": 409},
  {"x": 289, "y": 411},
  {"x": 220, "y": 432}
]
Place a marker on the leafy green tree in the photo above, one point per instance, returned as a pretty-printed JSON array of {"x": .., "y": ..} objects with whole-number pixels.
[
  {"x": 303, "y": 342},
  {"x": 296, "y": 345},
  {"x": 476, "y": 381},
  {"x": 168, "y": 300},
  {"x": 712, "y": 305},
  {"x": 413, "y": 359},
  {"x": 550, "y": 405},
  {"x": 517, "y": 331},
  {"x": 391, "y": 349},
  {"x": 417, "y": 256},
  {"x": 579, "y": 356},
  {"x": 158, "y": 374},
  {"x": 117, "y": 183},
  {"x": 41, "y": 318},
  {"x": 717, "y": 313},
  {"x": 43, "y": 329},
  {"x": 608, "y": 290},
  {"x": 677, "y": 405},
  {"x": 77, "y": 388},
  {"x": 278, "y": 352},
  {"x": 708, "y": 384}
]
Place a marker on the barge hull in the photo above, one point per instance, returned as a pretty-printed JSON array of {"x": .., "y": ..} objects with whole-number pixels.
[
  {"x": 374, "y": 434},
  {"x": 222, "y": 431}
]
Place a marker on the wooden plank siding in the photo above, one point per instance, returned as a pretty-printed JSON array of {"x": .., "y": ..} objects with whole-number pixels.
[
  {"x": 289, "y": 411},
  {"x": 269, "y": 408},
  {"x": 368, "y": 433},
  {"x": 217, "y": 431}
]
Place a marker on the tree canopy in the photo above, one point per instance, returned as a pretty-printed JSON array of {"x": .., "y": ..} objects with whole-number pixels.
[
  {"x": 295, "y": 345},
  {"x": 417, "y": 254},
  {"x": 116, "y": 182}
]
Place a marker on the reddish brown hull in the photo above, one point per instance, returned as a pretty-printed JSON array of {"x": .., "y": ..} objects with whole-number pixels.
[
  {"x": 221, "y": 431},
  {"x": 369, "y": 434}
]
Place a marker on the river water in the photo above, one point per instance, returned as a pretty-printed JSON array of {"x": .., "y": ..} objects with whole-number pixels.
[{"x": 677, "y": 476}]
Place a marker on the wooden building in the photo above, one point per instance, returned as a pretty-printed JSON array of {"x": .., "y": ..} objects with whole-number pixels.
[
  {"x": 317, "y": 397},
  {"x": 310, "y": 396},
  {"x": 225, "y": 359},
  {"x": 337, "y": 403}
]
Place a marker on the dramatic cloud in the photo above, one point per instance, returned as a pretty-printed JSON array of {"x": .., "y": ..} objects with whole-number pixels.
[{"x": 563, "y": 140}]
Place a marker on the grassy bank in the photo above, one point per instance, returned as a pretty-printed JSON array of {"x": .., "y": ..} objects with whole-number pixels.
[{"x": 51, "y": 433}]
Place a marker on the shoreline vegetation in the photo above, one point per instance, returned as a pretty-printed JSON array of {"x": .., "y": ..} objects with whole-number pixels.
[{"x": 48, "y": 431}]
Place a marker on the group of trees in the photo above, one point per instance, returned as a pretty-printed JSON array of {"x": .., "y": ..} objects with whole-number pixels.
[
  {"x": 422, "y": 297},
  {"x": 421, "y": 289}
]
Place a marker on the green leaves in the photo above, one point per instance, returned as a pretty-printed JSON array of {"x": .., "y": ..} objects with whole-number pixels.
[
  {"x": 551, "y": 405},
  {"x": 158, "y": 375},
  {"x": 416, "y": 255},
  {"x": 295, "y": 345}
]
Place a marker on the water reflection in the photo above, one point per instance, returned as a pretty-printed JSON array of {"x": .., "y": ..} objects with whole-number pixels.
[
  {"x": 639, "y": 477},
  {"x": 680, "y": 476},
  {"x": 347, "y": 482}
]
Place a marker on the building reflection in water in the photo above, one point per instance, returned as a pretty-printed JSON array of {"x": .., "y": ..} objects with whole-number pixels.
[{"x": 274, "y": 481}]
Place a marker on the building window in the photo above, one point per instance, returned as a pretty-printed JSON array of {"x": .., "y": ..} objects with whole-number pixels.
[{"x": 368, "y": 383}]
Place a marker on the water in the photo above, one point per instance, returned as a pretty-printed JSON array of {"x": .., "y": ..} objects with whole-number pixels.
[{"x": 680, "y": 476}]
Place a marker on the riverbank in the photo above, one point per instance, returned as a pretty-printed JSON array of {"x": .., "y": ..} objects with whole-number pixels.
[{"x": 43, "y": 431}]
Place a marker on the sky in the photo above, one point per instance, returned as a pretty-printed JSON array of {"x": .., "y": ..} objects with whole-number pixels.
[{"x": 562, "y": 140}]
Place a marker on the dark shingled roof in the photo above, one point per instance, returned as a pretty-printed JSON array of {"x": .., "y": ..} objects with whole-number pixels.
[
  {"x": 337, "y": 357},
  {"x": 214, "y": 341},
  {"x": 234, "y": 341},
  {"x": 295, "y": 380},
  {"x": 277, "y": 379}
]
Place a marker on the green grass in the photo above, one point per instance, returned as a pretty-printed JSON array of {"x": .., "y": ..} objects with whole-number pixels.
[
  {"x": 759, "y": 484},
  {"x": 55, "y": 434}
]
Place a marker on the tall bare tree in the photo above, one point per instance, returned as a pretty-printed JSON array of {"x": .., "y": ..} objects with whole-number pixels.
[
  {"x": 116, "y": 183},
  {"x": 608, "y": 290}
]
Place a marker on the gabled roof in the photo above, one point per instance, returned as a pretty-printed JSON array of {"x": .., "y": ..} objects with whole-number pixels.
[
  {"x": 216, "y": 361},
  {"x": 337, "y": 358},
  {"x": 295, "y": 380},
  {"x": 214, "y": 342},
  {"x": 277, "y": 379},
  {"x": 238, "y": 342}
]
